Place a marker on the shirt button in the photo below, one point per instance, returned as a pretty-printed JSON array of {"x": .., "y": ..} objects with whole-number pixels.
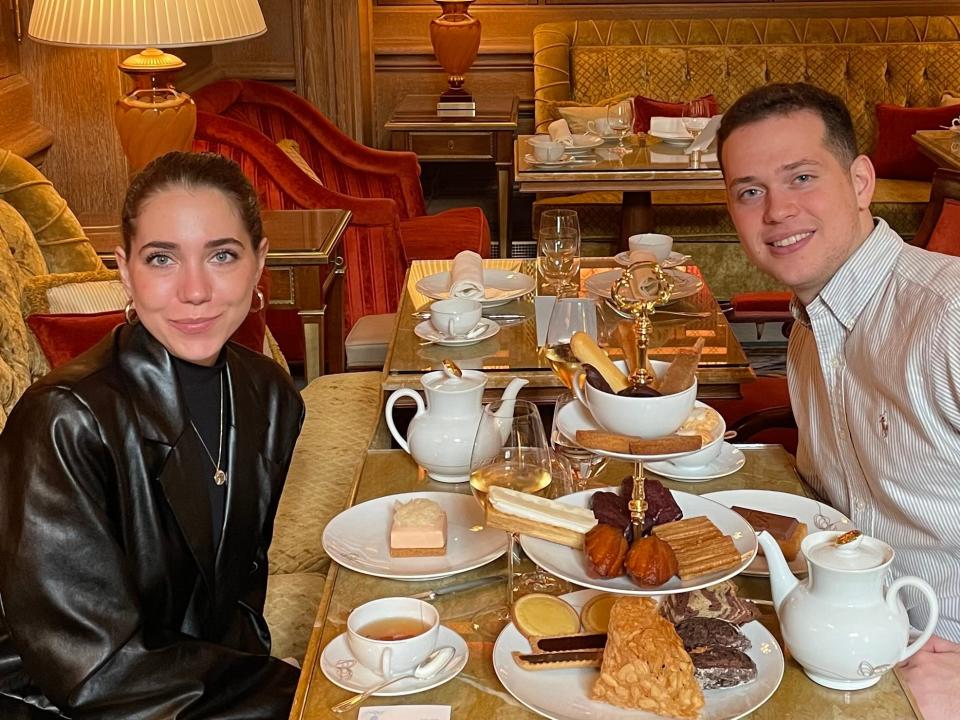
[{"x": 860, "y": 504}]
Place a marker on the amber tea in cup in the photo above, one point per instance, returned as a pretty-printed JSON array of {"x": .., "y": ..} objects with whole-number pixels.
[{"x": 397, "y": 628}]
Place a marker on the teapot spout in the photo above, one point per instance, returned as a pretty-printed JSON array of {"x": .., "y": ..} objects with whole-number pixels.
[
  {"x": 782, "y": 581},
  {"x": 504, "y": 413}
]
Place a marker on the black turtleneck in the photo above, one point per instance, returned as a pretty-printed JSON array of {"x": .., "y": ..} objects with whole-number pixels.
[{"x": 200, "y": 386}]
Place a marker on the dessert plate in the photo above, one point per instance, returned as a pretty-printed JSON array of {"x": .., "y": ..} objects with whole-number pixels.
[
  {"x": 359, "y": 538},
  {"x": 673, "y": 259},
  {"x": 575, "y": 416},
  {"x": 342, "y": 669},
  {"x": 817, "y": 516},
  {"x": 684, "y": 284},
  {"x": 726, "y": 463},
  {"x": 571, "y": 564},
  {"x": 426, "y": 331},
  {"x": 500, "y": 286},
  {"x": 565, "y": 694}
]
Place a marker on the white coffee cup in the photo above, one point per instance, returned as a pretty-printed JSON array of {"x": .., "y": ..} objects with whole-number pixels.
[
  {"x": 599, "y": 126},
  {"x": 388, "y": 657},
  {"x": 656, "y": 243},
  {"x": 548, "y": 150},
  {"x": 455, "y": 317}
]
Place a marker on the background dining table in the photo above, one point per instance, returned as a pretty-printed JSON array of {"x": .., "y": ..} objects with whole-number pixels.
[{"x": 476, "y": 692}]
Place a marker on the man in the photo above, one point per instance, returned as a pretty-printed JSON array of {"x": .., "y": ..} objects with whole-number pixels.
[{"x": 874, "y": 360}]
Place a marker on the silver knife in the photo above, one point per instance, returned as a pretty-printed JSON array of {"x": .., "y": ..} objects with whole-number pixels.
[
  {"x": 457, "y": 587},
  {"x": 422, "y": 315}
]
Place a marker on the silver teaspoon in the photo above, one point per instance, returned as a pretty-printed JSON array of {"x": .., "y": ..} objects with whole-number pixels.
[{"x": 435, "y": 662}]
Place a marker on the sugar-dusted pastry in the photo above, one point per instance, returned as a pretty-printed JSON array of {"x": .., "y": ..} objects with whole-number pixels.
[
  {"x": 419, "y": 529},
  {"x": 644, "y": 664}
]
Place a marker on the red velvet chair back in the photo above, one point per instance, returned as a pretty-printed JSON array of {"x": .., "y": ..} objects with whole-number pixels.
[
  {"x": 372, "y": 249},
  {"x": 940, "y": 229},
  {"x": 341, "y": 163}
]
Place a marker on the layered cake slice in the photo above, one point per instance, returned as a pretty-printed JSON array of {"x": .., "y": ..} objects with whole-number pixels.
[
  {"x": 419, "y": 529},
  {"x": 720, "y": 667}
]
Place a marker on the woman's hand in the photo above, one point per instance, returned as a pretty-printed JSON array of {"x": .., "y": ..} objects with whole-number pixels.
[{"x": 933, "y": 675}]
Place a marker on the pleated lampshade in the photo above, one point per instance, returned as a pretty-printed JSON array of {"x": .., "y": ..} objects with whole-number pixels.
[
  {"x": 144, "y": 23},
  {"x": 155, "y": 117}
]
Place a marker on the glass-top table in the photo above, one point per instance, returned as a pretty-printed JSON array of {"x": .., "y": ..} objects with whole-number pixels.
[{"x": 513, "y": 352}]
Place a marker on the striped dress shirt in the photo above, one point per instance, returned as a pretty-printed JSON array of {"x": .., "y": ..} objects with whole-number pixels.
[{"x": 874, "y": 372}]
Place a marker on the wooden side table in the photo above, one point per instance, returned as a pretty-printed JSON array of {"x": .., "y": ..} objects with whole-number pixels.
[
  {"x": 486, "y": 137},
  {"x": 306, "y": 272}
]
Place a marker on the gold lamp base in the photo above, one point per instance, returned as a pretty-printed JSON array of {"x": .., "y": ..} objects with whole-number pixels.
[{"x": 155, "y": 118}]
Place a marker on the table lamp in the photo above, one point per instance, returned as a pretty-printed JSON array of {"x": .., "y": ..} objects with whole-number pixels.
[{"x": 155, "y": 117}]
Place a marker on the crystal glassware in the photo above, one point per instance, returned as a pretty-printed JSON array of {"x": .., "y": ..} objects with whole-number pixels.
[
  {"x": 558, "y": 249},
  {"x": 570, "y": 315},
  {"x": 620, "y": 121},
  {"x": 696, "y": 115},
  {"x": 523, "y": 463},
  {"x": 584, "y": 464}
]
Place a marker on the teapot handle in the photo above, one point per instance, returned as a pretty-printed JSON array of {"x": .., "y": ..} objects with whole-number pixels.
[
  {"x": 388, "y": 411},
  {"x": 931, "y": 596}
]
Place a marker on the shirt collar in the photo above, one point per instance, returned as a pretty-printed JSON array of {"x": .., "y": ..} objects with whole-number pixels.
[{"x": 858, "y": 279}]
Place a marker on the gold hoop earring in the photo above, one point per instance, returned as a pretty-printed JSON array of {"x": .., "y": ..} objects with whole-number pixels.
[
  {"x": 262, "y": 304},
  {"x": 129, "y": 313}
]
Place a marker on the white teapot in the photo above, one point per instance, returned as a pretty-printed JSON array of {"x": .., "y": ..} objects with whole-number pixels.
[
  {"x": 839, "y": 624},
  {"x": 441, "y": 435}
]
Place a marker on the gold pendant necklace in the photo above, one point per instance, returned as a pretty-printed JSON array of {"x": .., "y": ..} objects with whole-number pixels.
[{"x": 219, "y": 475}]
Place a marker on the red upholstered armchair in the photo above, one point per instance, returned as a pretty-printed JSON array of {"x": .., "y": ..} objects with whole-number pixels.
[{"x": 347, "y": 167}]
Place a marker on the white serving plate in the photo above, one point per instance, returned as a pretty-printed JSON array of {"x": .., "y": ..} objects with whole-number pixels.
[
  {"x": 571, "y": 564},
  {"x": 804, "y": 509},
  {"x": 359, "y": 538},
  {"x": 500, "y": 286},
  {"x": 565, "y": 694}
]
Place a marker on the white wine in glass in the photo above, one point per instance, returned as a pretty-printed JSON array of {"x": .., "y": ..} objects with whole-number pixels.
[{"x": 521, "y": 462}]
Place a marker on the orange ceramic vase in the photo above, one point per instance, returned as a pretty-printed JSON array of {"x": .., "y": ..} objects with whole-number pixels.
[{"x": 455, "y": 36}]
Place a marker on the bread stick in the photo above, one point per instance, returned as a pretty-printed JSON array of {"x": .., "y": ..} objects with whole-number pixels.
[
  {"x": 679, "y": 376},
  {"x": 587, "y": 351}
]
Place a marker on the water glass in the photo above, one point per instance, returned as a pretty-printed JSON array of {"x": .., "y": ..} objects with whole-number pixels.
[
  {"x": 570, "y": 315},
  {"x": 696, "y": 115},
  {"x": 583, "y": 463},
  {"x": 559, "y": 248}
]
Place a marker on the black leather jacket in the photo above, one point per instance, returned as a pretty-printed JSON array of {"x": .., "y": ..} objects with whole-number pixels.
[{"x": 114, "y": 602}]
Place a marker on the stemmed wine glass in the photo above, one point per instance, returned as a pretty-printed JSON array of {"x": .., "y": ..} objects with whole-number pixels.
[
  {"x": 620, "y": 121},
  {"x": 696, "y": 115},
  {"x": 570, "y": 315},
  {"x": 559, "y": 248},
  {"x": 521, "y": 462}
]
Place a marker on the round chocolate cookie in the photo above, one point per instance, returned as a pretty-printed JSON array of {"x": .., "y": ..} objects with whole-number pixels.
[{"x": 711, "y": 632}]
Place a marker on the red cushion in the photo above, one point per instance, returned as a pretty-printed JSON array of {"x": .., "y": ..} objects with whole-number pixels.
[
  {"x": 761, "y": 302},
  {"x": 442, "y": 236},
  {"x": 895, "y": 154},
  {"x": 945, "y": 237},
  {"x": 645, "y": 108},
  {"x": 63, "y": 336}
]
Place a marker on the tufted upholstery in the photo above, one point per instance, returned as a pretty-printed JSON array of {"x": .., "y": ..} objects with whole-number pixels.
[{"x": 909, "y": 61}]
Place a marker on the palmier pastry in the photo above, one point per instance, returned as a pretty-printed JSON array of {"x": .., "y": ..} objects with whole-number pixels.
[
  {"x": 650, "y": 562},
  {"x": 606, "y": 547}
]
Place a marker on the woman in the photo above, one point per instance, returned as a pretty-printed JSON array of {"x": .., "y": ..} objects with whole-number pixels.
[{"x": 140, "y": 481}]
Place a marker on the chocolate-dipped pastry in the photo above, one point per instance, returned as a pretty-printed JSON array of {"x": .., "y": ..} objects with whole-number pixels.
[
  {"x": 611, "y": 509},
  {"x": 596, "y": 379},
  {"x": 650, "y": 562},
  {"x": 605, "y": 548},
  {"x": 711, "y": 632},
  {"x": 639, "y": 391},
  {"x": 719, "y": 667}
]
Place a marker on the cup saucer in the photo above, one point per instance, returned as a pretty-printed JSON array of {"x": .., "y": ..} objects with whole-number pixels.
[
  {"x": 343, "y": 670},
  {"x": 729, "y": 460},
  {"x": 426, "y": 331}
]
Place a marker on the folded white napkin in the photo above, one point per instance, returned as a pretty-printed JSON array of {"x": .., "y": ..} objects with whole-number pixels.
[
  {"x": 707, "y": 136},
  {"x": 466, "y": 278},
  {"x": 667, "y": 125},
  {"x": 560, "y": 132}
]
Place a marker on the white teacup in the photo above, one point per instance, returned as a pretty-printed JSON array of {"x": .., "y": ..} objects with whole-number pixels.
[
  {"x": 548, "y": 150},
  {"x": 656, "y": 243},
  {"x": 599, "y": 126},
  {"x": 377, "y": 619},
  {"x": 455, "y": 317}
]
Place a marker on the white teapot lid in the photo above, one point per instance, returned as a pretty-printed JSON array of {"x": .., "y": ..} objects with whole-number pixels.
[
  {"x": 446, "y": 382},
  {"x": 848, "y": 551}
]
